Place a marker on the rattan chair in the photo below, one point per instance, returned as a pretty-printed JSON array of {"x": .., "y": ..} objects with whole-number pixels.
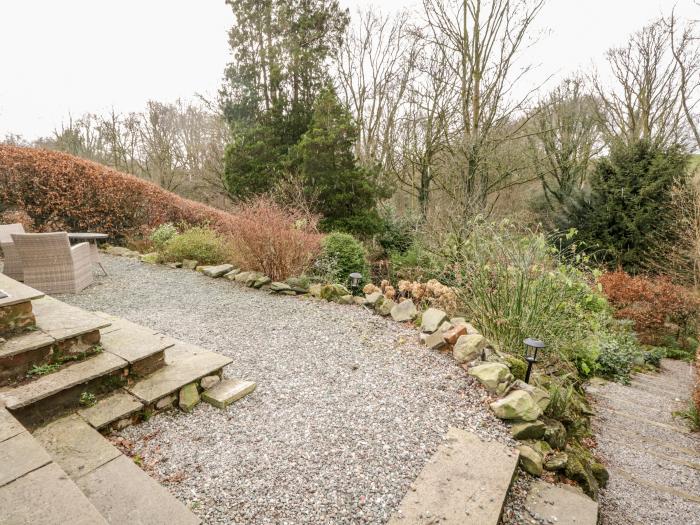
[
  {"x": 12, "y": 264},
  {"x": 51, "y": 264}
]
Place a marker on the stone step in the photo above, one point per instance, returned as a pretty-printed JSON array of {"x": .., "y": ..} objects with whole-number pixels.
[
  {"x": 560, "y": 504},
  {"x": 16, "y": 307},
  {"x": 466, "y": 481},
  {"x": 122, "y": 492},
  {"x": 185, "y": 363},
  {"x": 39, "y": 400},
  {"x": 61, "y": 331},
  {"x": 140, "y": 346},
  {"x": 227, "y": 391},
  {"x": 115, "y": 408}
]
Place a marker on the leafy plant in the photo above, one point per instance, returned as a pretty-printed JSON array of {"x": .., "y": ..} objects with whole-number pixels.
[
  {"x": 87, "y": 399},
  {"x": 163, "y": 234},
  {"x": 619, "y": 354},
  {"x": 42, "y": 370},
  {"x": 691, "y": 415},
  {"x": 199, "y": 243},
  {"x": 345, "y": 255}
]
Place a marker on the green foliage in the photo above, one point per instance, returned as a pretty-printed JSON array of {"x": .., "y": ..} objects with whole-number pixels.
[
  {"x": 343, "y": 254},
  {"x": 87, "y": 399},
  {"x": 626, "y": 215},
  {"x": 345, "y": 194},
  {"x": 163, "y": 234},
  {"x": 680, "y": 353},
  {"x": 518, "y": 367},
  {"x": 199, "y": 243},
  {"x": 397, "y": 234},
  {"x": 415, "y": 264},
  {"x": 691, "y": 415},
  {"x": 619, "y": 354},
  {"x": 42, "y": 370}
]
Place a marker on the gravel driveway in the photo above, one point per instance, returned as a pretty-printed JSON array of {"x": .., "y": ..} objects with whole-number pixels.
[{"x": 347, "y": 410}]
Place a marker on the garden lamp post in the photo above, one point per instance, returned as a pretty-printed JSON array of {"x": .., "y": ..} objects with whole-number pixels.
[
  {"x": 531, "y": 348},
  {"x": 355, "y": 279}
]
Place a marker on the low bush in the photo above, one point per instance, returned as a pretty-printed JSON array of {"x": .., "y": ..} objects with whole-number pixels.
[
  {"x": 657, "y": 307},
  {"x": 280, "y": 242},
  {"x": 162, "y": 234},
  {"x": 619, "y": 353},
  {"x": 59, "y": 191},
  {"x": 199, "y": 243},
  {"x": 342, "y": 255}
]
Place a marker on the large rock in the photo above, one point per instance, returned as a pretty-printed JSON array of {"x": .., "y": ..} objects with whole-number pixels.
[
  {"x": 189, "y": 397},
  {"x": 216, "y": 271},
  {"x": 262, "y": 281},
  {"x": 404, "y": 311},
  {"x": 385, "y": 307},
  {"x": 209, "y": 381},
  {"x": 528, "y": 430},
  {"x": 556, "y": 461},
  {"x": 346, "y": 299},
  {"x": 517, "y": 405},
  {"x": 374, "y": 298},
  {"x": 279, "y": 287},
  {"x": 432, "y": 319},
  {"x": 241, "y": 277},
  {"x": 227, "y": 391},
  {"x": 433, "y": 341},
  {"x": 454, "y": 333},
  {"x": 530, "y": 460},
  {"x": 189, "y": 264},
  {"x": 578, "y": 468},
  {"x": 298, "y": 284},
  {"x": 253, "y": 278},
  {"x": 555, "y": 433},
  {"x": 333, "y": 292},
  {"x": 121, "y": 251},
  {"x": 232, "y": 274},
  {"x": 315, "y": 290},
  {"x": 469, "y": 347},
  {"x": 539, "y": 395},
  {"x": 491, "y": 374}
]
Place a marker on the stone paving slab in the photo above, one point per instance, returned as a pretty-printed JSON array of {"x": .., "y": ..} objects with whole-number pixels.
[
  {"x": 48, "y": 385},
  {"x": 133, "y": 342},
  {"x": 46, "y": 496},
  {"x": 112, "y": 408},
  {"x": 126, "y": 495},
  {"x": 25, "y": 342},
  {"x": 62, "y": 321},
  {"x": 185, "y": 364},
  {"x": 19, "y": 455},
  {"x": 228, "y": 391},
  {"x": 9, "y": 426},
  {"x": 561, "y": 504},
  {"x": 75, "y": 446},
  {"x": 466, "y": 481},
  {"x": 17, "y": 292}
]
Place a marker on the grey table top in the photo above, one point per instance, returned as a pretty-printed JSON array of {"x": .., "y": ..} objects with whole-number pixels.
[{"x": 86, "y": 236}]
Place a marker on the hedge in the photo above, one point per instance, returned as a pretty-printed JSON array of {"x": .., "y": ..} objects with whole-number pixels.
[{"x": 63, "y": 192}]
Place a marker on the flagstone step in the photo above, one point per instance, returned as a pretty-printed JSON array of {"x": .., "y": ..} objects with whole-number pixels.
[
  {"x": 116, "y": 407},
  {"x": 19, "y": 455},
  {"x": 17, "y": 292},
  {"x": 51, "y": 394},
  {"x": 228, "y": 391},
  {"x": 16, "y": 307},
  {"x": 61, "y": 331},
  {"x": 122, "y": 492},
  {"x": 185, "y": 363},
  {"x": 560, "y": 504},
  {"x": 143, "y": 349},
  {"x": 466, "y": 481}
]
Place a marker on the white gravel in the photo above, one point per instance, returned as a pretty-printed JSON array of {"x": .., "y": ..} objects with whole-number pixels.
[{"x": 347, "y": 411}]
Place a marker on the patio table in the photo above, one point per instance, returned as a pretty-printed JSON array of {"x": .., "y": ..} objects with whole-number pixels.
[{"x": 91, "y": 238}]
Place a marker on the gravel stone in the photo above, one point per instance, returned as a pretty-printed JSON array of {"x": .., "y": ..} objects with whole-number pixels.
[{"x": 348, "y": 408}]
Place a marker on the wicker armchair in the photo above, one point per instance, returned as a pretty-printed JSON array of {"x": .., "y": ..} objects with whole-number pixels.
[
  {"x": 12, "y": 264},
  {"x": 51, "y": 264}
]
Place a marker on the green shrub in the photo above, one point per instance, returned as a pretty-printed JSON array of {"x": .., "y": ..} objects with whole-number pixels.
[
  {"x": 415, "y": 264},
  {"x": 517, "y": 366},
  {"x": 199, "y": 243},
  {"x": 397, "y": 233},
  {"x": 342, "y": 255},
  {"x": 619, "y": 354},
  {"x": 163, "y": 234}
]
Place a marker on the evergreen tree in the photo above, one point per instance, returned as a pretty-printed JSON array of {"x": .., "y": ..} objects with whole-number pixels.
[
  {"x": 626, "y": 214},
  {"x": 346, "y": 194}
]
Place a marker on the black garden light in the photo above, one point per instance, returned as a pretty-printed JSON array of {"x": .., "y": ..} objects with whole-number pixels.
[
  {"x": 355, "y": 279},
  {"x": 531, "y": 348}
]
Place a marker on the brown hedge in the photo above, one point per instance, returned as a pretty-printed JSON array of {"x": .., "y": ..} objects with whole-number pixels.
[{"x": 63, "y": 192}]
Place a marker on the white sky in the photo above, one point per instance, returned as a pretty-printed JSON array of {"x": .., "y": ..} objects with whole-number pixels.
[{"x": 77, "y": 56}]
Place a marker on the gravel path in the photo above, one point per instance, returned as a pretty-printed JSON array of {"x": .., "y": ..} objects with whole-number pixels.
[
  {"x": 654, "y": 464},
  {"x": 347, "y": 410}
]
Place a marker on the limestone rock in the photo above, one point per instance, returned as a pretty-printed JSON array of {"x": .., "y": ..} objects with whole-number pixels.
[
  {"x": 385, "y": 307},
  {"x": 241, "y": 277},
  {"x": 216, "y": 271},
  {"x": 252, "y": 278},
  {"x": 315, "y": 290},
  {"x": 491, "y": 374},
  {"x": 228, "y": 391},
  {"x": 556, "y": 461},
  {"x": 232, "y": 274},
  {"x": 374, "y": 298},
  {"x": 434, "y": 341},
  {"x": 404, "y": 311},
  {"x": 166, "y": 402},
  {"x": 456, "y": 321},
  {"x": 432, "y": 319},
  {"x": 555, "y": 433},
  {"x": 189, "y": 397},
  {"x": 517, "y": 405},
  {"x": 119, "y": 250},
  {"x": 279, "y": 287},
  {"x": 345, "y": 299},
  {"x": 149, "y": 258},
  {"x": 454, "y": 333},
  {"x": 361, "y": 301},
  {"x": 540, "y": 396},
  {"x": 541, "y": 447},
  {"x": 261, "y": 281},
  {"x": 528, "y": 430},
  {"x": 298, "y": 284},
  {"x": 578, "y": 469},
  {"x": 333, "y": 292},
  {"x": 209, "y": 381},
  {"x": 471, "y": 330},
  {"x": 189, "y": 264},
  {"x": 530, "y": 460},
  {"x": 469, "y": 347}
]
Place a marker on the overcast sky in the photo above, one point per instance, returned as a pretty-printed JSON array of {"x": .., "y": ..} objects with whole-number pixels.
[{"x": 77, "y": 56}]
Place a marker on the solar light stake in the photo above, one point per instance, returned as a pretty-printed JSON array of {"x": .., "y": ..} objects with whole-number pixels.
[
  {"x": 531, "y": 348},
  {"x": 355, "y": 279}
]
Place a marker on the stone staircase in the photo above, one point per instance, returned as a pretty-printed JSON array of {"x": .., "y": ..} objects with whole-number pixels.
[{"x": 65, "y": 376}]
